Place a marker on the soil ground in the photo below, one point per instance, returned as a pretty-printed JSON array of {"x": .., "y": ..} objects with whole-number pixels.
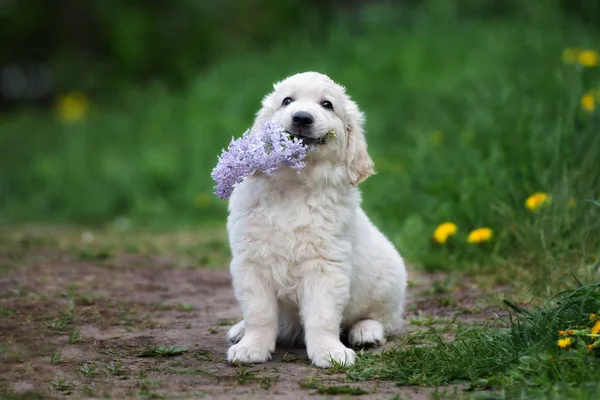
[{"x": 139, "y": 326}]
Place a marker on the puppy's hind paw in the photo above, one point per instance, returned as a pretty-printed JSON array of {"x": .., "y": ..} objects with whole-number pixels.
[
  {"x": 236, "y": 332},
  {"x": 365, "y": 333}
]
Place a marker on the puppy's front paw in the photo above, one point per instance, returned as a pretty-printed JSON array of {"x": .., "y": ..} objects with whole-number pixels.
[
  {"x": 367, "y": 332},
  {"x": 247, "y": 352},
  {"x": 335, "y": 351},
  {"x": 236, "y": 333}
]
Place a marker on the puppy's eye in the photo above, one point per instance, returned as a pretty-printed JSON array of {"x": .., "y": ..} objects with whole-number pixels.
[
  {"x": 327, "y": 104},
  {"x": 286, "y": 101}
]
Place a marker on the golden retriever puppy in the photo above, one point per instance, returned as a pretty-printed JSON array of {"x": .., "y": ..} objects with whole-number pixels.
[{"x": 307, "y": 261}]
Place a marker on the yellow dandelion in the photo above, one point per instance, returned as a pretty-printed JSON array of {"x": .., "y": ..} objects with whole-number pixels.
[
  {"x": 588, "y": 58},
  {"x": 570, "y": 55},
  {"x": 72, "y": 107},
  {"x": 561, "y": 333},
  {"x": 596, "y": 328},
  {"x": 202, "y": 201},
  {"x": 588, "y": 102},
  {"x": 564, "y": 343},
  {"x": 534, "y": 201},
  {"x": 480, "y": 235},
  {"x": 444, "y": 231}
]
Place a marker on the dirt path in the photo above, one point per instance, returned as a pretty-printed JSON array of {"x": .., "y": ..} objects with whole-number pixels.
[{"x": 77, "y": 328}]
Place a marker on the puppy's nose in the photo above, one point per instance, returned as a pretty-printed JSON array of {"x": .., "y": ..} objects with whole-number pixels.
[{"x": 302, "y": 119}]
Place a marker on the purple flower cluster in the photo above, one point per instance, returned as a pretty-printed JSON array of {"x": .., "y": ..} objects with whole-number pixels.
[{"x": 264, "y": 150}]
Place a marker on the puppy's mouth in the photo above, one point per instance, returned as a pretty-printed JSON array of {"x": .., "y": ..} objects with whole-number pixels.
[{"x": 309, "y": 140}]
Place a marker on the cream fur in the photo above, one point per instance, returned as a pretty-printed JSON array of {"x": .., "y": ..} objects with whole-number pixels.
[{"x": 307, "y": 261}]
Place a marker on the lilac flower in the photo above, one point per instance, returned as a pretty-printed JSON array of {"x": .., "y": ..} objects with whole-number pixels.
[{"x": 264, "y": 151}]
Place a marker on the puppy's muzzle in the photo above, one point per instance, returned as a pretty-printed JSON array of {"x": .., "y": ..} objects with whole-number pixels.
[{"x": 302, "y": 122}]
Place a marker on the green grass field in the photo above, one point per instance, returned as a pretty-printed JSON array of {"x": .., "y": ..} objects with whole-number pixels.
[
  {"x": 467, "y": 117},
  {"x": 463, "y": 126},
  {"x": 522, "y": 356}
]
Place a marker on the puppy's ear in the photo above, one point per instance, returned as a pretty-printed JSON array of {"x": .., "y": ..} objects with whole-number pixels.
[
  {"x": 267, "y": 110},
  {"x": 265, "y": 113},
  {"x": 358, "y": 161}
]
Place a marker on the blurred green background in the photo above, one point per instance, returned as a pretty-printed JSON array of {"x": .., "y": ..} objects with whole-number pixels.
[{"x": 113, "y": 113}]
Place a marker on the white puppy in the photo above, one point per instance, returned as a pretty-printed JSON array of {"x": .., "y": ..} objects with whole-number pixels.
[{"x": 307, "y": 261}]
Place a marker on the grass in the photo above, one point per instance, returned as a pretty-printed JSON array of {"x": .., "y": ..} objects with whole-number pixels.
[
  {"x": 161, "y": 351},
  {"x": 75, "y": 336},
  {"x": 61, "y": 323},
  {"x": 61, "y": 384},
  {"x": 332, "y": 390},
  {"x": 94, "y": 254},
  {"x": 146, "y": 385},
  {"x": 520, "y": 359},
  {"x": 88, "y": 369},
  {"x": 244, "y": 375},
  {"x": 203, "y": 355},
  {"x": 190, "y": 248},
  {"x": 56, "y": 358},
  {"x": 292, "y": 358},
  {"x": 341, "y": 390},
  {"x": 6, "y": 312},
  {"x": 115, "y": 368},
  {"x": 186, "y": 307}
]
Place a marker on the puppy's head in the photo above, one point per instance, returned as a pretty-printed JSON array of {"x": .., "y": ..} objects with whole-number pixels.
[{"x": 311, "y": 106}]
